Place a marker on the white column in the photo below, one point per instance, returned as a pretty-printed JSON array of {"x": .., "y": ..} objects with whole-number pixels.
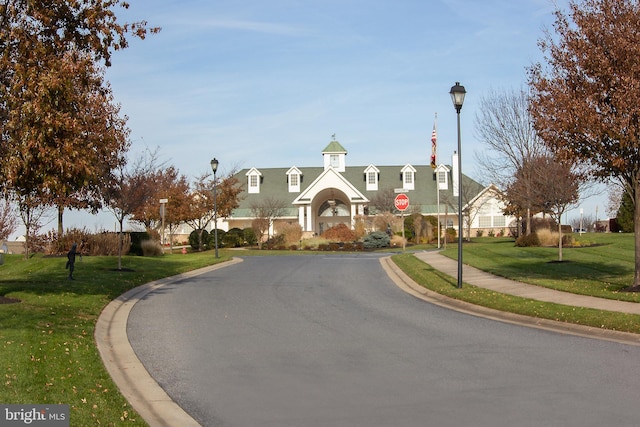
[
  {"x": 309, "y": 219},
  {"x": 354, "y": 210},
  {"x": 301, "y": 217}
]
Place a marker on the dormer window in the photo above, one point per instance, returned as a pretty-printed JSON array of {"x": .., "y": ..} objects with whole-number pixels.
[
  {"x": 372, "y": 177},
  {"x": 294, "y": 177},
  {"x": 253, "y": 181},
  {"x": 408, "y": 177},
  {"x": 442, "y": 177}
]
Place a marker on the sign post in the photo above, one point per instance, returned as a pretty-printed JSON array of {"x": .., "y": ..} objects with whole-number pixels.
[{"x": 401, "y": 203}]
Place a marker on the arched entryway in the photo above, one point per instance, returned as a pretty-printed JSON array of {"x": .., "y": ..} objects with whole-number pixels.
[{"x": 331, "y": 207}]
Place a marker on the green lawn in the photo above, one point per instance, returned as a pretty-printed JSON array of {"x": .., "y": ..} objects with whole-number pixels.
[
  {"x": 48, "y": 351},
  {"x": 49, "y": 354},
  {"x": 602, "y": 268}
]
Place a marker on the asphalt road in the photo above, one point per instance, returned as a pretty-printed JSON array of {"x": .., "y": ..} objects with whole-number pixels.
[{"x": 331, "y": 341}]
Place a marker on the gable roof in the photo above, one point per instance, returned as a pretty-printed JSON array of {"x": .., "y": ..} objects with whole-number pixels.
[{"x": 330, "y": 178}]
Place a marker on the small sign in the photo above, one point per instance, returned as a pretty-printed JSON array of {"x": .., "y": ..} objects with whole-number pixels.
[
  {"x": 164, "y": 200},
  {"x": 401, "y": 202},
  {"x": 400, "y": 190}
]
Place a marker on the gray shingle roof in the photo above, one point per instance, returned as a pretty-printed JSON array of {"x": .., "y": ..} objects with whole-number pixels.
[{"x": 274, "y": 185}]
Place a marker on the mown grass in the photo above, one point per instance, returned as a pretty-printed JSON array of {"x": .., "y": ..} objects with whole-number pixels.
[
  {"x": 49, "y": 354},
  {"x": 601, "y": 269},
  {"x": 47, "y": 345}
]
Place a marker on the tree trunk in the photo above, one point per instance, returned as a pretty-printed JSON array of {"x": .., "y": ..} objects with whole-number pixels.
[
  {"x": 27, "y": 232},
  {"x": 636, "y": 232},
  {"x": 60, "y": 227},
  {"x": 560, "y": 239},
  {"x": 120, "y": 244}
]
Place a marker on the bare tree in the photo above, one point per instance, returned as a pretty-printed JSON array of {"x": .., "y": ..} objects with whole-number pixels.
[
  {"x": 615, "y": 200},
  {"x": 555, "y": 187},
  {"x": 583, "y": 222},
  {"x": 128, "y": 191},
  {"x": 266, "y": 212},
  {"x": 382, "y": 201},
  {"x": 202, "y": 206},
  {"x": 505, "y": 126},
  {"x": 32, "y": 211}
]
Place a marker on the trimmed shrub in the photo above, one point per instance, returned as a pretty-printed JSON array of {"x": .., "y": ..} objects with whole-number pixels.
[
  {"x": 377, "y": 239},
  {"x": 276, "y": 242},
  {"x": 234, "y": 238},
  {"x": 211, "y": 242},
  {"x": 451, "y": 235},
  {"x": 250, "y": 236},
  {"x": 348, "y": 247},
  {"x": 528, "y": 240},
  {"x": 137, "y": 237},
  {"x": 195, "y": 242},
  {"x": 340, "y": 233},
  {"x": 314, "y": 243}
]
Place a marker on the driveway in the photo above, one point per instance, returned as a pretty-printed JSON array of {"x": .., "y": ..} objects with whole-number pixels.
[{"x": 331, "y": 341}]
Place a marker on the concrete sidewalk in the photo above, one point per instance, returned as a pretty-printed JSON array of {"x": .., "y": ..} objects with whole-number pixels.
[{"x": 481, "y": 279}]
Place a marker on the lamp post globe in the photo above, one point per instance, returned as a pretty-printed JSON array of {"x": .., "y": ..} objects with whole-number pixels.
[
  {"x": 457, "y": 96},
  {"x": 214, "y": 168},
  {"x": 457, "y": 93}
]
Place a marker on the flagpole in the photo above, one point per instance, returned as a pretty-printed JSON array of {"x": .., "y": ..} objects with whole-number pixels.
[{"x": 434, "y": 153}]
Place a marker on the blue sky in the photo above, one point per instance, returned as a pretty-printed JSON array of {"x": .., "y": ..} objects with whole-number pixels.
[{"x": 266, "y": 83}]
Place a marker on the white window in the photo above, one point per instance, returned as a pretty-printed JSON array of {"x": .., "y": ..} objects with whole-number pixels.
[
  {"x": 499, "y": 221},
  {"x": 371, "y": 176},
  {"x": 294, "y": 177},
  {"x": 335, "y": 161},
  {"x": 442, "y": 177},
  {"x": 253, "y": 181},
  {"x": 484, "y": 221},
  {"x": 408, "y": 178},
  {"x": 408, "y": 173}
]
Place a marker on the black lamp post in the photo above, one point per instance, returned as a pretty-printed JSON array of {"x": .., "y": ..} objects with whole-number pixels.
[
  {"x": 214, "y": 168},
  {"x": 457, "y": 96}
]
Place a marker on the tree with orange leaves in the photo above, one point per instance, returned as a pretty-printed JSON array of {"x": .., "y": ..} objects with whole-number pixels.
[
  {"x": 60, "y": 131},
  {"x": 585, "y": 97}
]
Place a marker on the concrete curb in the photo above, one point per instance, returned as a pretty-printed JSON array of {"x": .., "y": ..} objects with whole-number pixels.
[
  {"x": 405, "y": 283},
  {"x": 136, "y": 384}
]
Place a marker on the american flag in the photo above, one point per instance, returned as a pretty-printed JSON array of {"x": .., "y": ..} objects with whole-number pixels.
[{"x": 434, "y": 138}]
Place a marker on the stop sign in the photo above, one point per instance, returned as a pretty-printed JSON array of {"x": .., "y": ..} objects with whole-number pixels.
[{"x": 401, "y": 202}]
